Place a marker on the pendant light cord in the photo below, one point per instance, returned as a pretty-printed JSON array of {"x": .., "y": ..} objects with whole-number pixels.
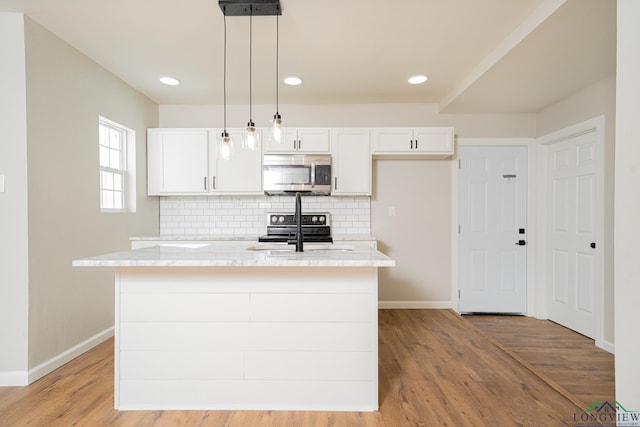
[
  {"x": 250, "y": 63},
  {"x": 224, "y": 74},
  {"x": 277, "y": 60}
]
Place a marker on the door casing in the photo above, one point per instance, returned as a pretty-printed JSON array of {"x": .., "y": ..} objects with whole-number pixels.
[
  {"x": 595, "y": 125},
  {"x": 531, "y": 224}
]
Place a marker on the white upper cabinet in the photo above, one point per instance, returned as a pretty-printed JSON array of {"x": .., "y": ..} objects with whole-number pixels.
[
  {"x": 185, "y": 161},
  {"x": 351, "y": 162},
  {"x": 178, "y": 161},
  {"x": 431, "y": 142},
  {"x": 303, "y": 140}
]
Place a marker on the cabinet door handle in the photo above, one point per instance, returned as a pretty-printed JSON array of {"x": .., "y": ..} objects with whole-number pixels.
[
  {"x": 213, "y": 182},
  {"x": 335, "y": 183},
  {"x": 299, "y": 144},
  {"x": 416, "y": 144},
  {"x": 411, "y": 145},
  {"x": 205, "y": 182}
]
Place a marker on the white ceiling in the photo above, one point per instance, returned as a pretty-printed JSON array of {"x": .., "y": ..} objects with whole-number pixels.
[{"x": 481, "y": 56}]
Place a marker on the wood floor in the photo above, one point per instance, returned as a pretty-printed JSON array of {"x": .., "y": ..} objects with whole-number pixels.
[
  {"x": 568, "y": 361},
  {"x": 436, "y": 369}
]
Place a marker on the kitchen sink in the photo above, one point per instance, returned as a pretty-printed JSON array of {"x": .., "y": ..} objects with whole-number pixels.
[
  {"x": 185, "y": 245},
  {"x": 308, "y": 247}
]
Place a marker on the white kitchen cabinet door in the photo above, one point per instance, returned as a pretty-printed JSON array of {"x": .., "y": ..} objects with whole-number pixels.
[
  {"x": 178, "y": 161},
  {"x": 392, "y": 140},
  {"x": 302, "y": 140},
  {"x": 429, "y": 142},
  {"x": 240, "y": 175},
  {"x": 433, "y": 140},
  {"x": 351, "y": 162}
]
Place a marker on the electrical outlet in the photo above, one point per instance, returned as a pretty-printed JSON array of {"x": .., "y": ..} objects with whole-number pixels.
[{"x": 392, "y": 211}]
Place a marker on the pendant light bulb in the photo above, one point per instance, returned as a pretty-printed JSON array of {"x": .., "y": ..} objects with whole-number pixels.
[
  {"x": 277, "y": 129},
  {"x": 225, "y": 147},
  {"x": 251, "y": 140}
]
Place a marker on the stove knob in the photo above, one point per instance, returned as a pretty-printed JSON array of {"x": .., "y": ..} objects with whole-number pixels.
[
  {"x": 281, "y": 219},
  {"x": 322, "y": 219},
  {"x": 274, "y": 219},
  {"x": 314, "y": 219}
]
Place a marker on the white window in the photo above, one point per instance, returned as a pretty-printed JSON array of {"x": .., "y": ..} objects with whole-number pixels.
[{"x": 117, "y": 167}]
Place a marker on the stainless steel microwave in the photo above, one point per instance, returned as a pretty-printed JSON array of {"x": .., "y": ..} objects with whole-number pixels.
[{"x": 287, "y": 174}]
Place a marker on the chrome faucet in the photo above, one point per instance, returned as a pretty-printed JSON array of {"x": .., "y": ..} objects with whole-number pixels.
[{"x": 298, "y": 218}]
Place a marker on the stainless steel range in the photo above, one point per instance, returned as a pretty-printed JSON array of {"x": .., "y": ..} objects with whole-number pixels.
[{"x": 281, "y": 227}]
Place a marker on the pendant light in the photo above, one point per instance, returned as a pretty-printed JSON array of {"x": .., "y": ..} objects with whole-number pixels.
[
  {"x": 225, "y": 144},
  {"x": 251, "y": 136},
  {"x": 251, "y": 139},
  {"x": 277, "y": 130}
]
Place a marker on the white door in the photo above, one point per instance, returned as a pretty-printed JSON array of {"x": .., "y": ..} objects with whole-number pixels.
[
  {"x": 572, "y": 225},
  {"x": 493, "y": 221}
]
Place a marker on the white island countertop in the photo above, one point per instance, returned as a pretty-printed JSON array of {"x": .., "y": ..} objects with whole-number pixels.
[
  {"x": 234, "y": 238},
  {"x": 262, "y": 255}
]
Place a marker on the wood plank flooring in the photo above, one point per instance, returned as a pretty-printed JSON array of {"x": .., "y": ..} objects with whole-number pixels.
[
  {"x": 436, "y": 369},
  {"x": 567, "y": 360}
]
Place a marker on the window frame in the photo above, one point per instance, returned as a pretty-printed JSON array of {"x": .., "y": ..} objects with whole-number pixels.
[{"x": 126, "y": 171}]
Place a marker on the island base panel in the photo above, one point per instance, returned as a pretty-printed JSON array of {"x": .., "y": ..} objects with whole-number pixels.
[{"x": 264, "y": 338}]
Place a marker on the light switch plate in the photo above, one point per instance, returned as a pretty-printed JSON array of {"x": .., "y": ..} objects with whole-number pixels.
[{"x": 1, "y": 183}]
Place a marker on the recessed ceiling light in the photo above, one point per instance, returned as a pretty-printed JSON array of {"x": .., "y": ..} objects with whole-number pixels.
[
  {"x": 292, "y": 81},
  {"x": 170, "y": 81},
  {"x": 417, "y": 79}
]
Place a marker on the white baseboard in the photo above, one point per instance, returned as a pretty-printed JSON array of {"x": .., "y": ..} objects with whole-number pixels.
[
  {"x": 13, "y": 378},
  {"x": 416, "y": 305},
  {"x": 606, "y": 345},
  {"x": 66, "y": 356}
]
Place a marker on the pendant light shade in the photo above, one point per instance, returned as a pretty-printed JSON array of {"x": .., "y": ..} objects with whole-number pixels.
[
  {"x": 225, "y": 143},
  {"x": 251, "y": 137},
  {"x": 277, "y": 128},
  {"x": 225, "y": 146}
]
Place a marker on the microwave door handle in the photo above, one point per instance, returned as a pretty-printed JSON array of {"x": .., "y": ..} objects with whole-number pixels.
[{"x": 313, "y": 175}]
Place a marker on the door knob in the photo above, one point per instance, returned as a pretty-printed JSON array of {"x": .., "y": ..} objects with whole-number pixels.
[
  {"x": 521, "y": 243},
  {"x": 593, "y": 245}
]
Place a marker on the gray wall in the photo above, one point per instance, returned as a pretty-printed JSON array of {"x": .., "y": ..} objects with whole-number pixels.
[
  {"x": 50, "y": 209},
  {"x": 66, "y": 93}
]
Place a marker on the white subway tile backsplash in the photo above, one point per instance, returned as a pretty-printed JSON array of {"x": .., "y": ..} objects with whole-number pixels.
[{"x": 246, "y": 216}]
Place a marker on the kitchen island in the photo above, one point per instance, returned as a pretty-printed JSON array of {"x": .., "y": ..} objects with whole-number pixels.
[{"x": 256, "y": 327}]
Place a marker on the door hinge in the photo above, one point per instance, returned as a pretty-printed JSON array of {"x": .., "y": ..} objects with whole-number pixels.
[
  {"x": 459, "y": 293},
  {"x": 459, "y": 163},
  {"x": 459, "y": 229}
]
